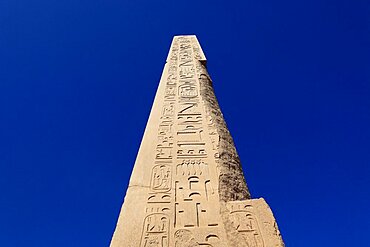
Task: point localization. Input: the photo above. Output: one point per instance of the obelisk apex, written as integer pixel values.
(187, 187)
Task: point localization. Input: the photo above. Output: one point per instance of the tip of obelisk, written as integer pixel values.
(185, 36)
(187, 41)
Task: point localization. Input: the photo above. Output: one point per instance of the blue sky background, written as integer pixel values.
(77, 81)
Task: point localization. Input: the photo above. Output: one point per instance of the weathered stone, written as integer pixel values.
(251, 223)
(187, 187)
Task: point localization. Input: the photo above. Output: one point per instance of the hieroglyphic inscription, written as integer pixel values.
(161, 178)
(155, 230)
(246, 224)
(193, 194)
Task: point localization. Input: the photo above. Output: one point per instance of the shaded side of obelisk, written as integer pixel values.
(187, 187)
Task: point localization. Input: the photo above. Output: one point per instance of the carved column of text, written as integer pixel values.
(193, 223)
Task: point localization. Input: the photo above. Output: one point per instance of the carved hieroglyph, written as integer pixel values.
(187, 187)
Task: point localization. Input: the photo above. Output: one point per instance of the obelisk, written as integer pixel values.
(187, 187)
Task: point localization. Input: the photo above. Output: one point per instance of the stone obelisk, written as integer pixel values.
(187, 187)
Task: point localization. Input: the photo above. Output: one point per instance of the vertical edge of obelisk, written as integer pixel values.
(130, 222)
(171, 48)
(232, 184)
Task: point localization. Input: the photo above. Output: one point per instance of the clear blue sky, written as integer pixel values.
(77, 81)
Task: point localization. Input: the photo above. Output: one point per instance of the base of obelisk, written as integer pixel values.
(247, 223)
